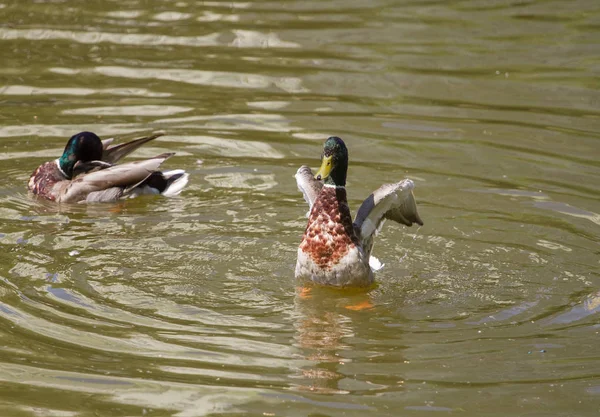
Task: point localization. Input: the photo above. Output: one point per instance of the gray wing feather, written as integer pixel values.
(390, 201)
(105, 196)
(107, 142)
(308, 185)
(125, 176)
(82, 168)
(112, 154)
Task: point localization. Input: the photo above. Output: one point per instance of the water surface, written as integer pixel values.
(188, 307)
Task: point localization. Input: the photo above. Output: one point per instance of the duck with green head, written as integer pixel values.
(87, 172)
(336, 251)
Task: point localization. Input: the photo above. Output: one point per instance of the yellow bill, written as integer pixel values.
(326, 166)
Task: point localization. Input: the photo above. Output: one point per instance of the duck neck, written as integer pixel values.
(337, 176)
(65, 165)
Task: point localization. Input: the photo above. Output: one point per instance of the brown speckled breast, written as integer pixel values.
(329, 233)
(43, 180)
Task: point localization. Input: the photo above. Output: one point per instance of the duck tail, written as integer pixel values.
(168, 183)
(176, 180)
(375, 263)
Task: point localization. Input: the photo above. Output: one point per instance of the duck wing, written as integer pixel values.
(390, 201)
(112, 154)
(308, 185)
(113, 182)
(106, 143)
(85, 167)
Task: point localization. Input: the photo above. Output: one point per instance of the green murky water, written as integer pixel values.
(188, 306)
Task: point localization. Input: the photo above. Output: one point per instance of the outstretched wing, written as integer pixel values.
(307, 183)
(106, 143)
(112, 154)
(390, 201)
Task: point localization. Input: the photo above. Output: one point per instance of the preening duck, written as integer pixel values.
(88, 172)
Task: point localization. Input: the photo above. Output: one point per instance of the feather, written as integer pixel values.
(89, 166)
(375, 264)
(104, 196)
(125, 176)
(308, 185)
(390, 201)
(107, 142)
(112, 154)
(168, 183)
(176, 180)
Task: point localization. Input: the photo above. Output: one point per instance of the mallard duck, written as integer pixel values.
(86, 172)
(335, 251)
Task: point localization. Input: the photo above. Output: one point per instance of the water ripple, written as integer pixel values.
(187, 306)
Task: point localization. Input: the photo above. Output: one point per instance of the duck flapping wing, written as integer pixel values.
(390, 201)
(308, 185)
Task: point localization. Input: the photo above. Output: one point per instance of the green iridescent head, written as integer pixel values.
(84, 146)
(334, 165)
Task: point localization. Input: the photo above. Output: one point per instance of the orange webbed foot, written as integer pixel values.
(363, 305)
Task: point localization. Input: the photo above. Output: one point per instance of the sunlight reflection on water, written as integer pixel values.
(187, 306)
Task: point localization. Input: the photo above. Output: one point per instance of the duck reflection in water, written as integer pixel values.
(326, 320)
